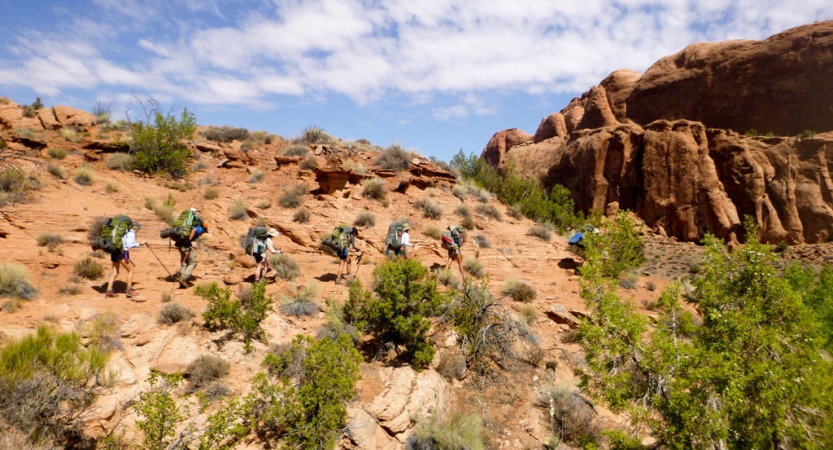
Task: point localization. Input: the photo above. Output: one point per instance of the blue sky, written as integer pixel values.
(434, 76)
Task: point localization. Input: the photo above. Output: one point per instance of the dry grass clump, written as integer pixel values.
(84, 175)
(56, 170)
(50, 240)
(519, 290)
(224, 133)
(96, 226)
(14, 283)
(102, 331)
(256, 176)
(651, 286)
(314, 135)
(173, 313)
(208, 180)
(238, 210)
(365, 219)
(481, 195)
(71, 289)
(541, 232)
(514, 212)
(571, 416)
(374, 188)
(301, 302)
(482, 241)
(301, 215)
(292, 196)
(200, 165)
(629, 281)
(458, 431)
(121, 162)
(468, 223)
(296, 150)
(432, 232)
(286, 268)
(111, 188)
(488, 211)
(394, 158)
(56, 153)
(474, 266)
(447, 277)
(204, 371)
(460, 191)
(69, 134)
(430, 208)
(462, 210)
(210, 193)
(164, 210)
(89, 269)
(308, 164)
(452, 366)
(527, 315)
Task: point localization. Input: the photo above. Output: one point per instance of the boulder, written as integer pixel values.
(550, 127)
(177, 355)
(559, 314)
(68, 117)
(47, 119)
(11, 117)
(501, 142)
(407, 394)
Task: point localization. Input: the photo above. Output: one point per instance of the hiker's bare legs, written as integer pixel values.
(129, 270)
(259, 271)
(114, 274)
(460, 264)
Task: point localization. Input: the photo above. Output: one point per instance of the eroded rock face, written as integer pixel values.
(502, 141)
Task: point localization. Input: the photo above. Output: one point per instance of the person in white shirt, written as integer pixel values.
(122, 259)
(259, 252)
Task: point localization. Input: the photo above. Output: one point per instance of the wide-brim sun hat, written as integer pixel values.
(272, 232)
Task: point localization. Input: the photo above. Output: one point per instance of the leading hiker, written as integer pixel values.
(121, 258)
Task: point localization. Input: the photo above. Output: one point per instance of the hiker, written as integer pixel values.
(187, 252)
(121, 258)
(259, 248)
(577, 239)
(452, 240)
(399, 241)
(348, 240)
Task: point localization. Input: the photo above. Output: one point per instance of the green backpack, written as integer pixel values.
(181, 227)
(112, 232)
(338, 238)
(255, 236)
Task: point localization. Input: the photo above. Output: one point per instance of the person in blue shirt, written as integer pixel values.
(188, 254)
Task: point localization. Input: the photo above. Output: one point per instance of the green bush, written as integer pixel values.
(223, 313)
(616, 250)
(308, 164)
(519, 290)
(172, 313)
(365, 219)
(286, 267)
(50, 383)
(121, 162)
(14, 282)
(394, 158)
(374, 188)
(84, 175)
(88, 268)
(224, 133)
(301, 215)
(56, 153)
(312, 414)
(296, 150)
(238, 210)
(396, 311)
(157, 142)
(292, 196)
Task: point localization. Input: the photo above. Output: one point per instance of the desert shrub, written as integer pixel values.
(307, 164)
(292, 196)
(263, 204)
(488, 211)
(96, 225)
(102, 331)
(57, 171)
(452, 366)
(239, 318)
(50, 383)
(482, 241)
(395, 310)
(179, 186)
(629, 281)
(224, 133)
(571, 416)
(14, 282)
(514, 212)
(12, 180)
(463, 211)
(356, 168)
(447, 277)
(208, 180)
(806, 134)
(157, 140)
(51, 240)
(84, 175)
(481, 195)
(365, 219)
(519, 290)
(468, 223)
(432, 232)
(72, 289)
(287, 268)
(474, 266)
(336, 324)
(301, 215)
(301, 302)
(460, 191)
(165, 210)
(256, 176)
(69, 134)
(120, 161)
(88, 268)
(296, 150)
(458, 431)
(617, 250)
(430, 208)
(323, 374)
(541, 232)
(111, 188)
(394, 158)
(374, 188)
(56, 153)
(172, 313)
(204, 370)
(314, 135)
(210, 193)
(200, 166)
(527, 315)
(238, 210)
(651, 286)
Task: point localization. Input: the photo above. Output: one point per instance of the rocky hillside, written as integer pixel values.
(56, 144)
(704, 137)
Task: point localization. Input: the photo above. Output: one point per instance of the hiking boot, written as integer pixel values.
(130, 292)
(109, 294)
(182, 283)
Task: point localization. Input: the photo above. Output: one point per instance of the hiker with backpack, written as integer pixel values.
(452, 240)
(257, 242)
(340, 241)
(398, 239)
(121, 258)
(186, 229)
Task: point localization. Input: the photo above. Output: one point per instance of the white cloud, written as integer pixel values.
(235, 52)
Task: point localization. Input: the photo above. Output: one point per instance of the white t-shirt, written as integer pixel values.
(128, 241)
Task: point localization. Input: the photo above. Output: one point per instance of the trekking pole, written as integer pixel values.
(160, 261)
(359, 264)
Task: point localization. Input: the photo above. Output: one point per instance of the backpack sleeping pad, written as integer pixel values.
(255, 235)
(338, 238)
(181, 227)
(112, 232)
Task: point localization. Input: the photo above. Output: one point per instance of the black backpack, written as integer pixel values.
(111, 234)
(258, 233)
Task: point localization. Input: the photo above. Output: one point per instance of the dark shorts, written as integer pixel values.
(396, 252)
(342, 254)
(117, 256)
(454, 253)
(258, 257)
